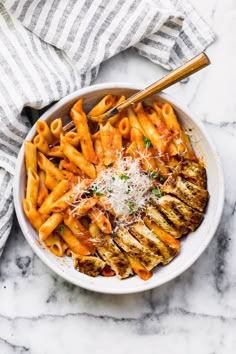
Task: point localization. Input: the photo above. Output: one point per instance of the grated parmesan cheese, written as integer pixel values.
(126, 187)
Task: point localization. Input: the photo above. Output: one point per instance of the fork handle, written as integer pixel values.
(191, 67)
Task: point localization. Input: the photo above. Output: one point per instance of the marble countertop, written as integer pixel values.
(195, 313)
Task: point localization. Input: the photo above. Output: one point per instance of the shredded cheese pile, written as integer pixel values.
(125, 186)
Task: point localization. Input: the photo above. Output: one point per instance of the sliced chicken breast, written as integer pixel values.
(115, 258)
(163, 222)
(191, 194)
(135, 249)
(180, 214)
(195, 172)
(89, 265)
(147, 238)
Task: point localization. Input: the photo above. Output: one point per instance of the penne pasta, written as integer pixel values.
(80, 120)
(162, 167)
(97, 216)
(32, 214)
(105, 205)
(84, 206)
(72, 241)
(138, 107)
(147, 161)
(134, 122)
(124, 127)
(43, 191)
(70, 197)
(56, 245)
(60, 189)
(158, 108)
(80, 232)
(32, 186)
(30, 156)
(41, 144)
(189, 152)
(172, 149)
(139, 269)
(43, 129)
(170, 118)
(132, 150)
(72, 138)
(50, 225)
(78, 159)
(157, 141)
(157, 122)
(50, 169)
(98, 148)
(102, 106)
(56, 128)
(55, 151)
(116, 117)
(111, 140)
(70, 166)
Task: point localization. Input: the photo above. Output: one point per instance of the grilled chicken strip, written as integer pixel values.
(134, 249)
(114, 258)
(188, 192)
(89, 265)
(194, 172)
(147, 238)
(169, 241)
(111, 254)
(163, 222)
(180, 214)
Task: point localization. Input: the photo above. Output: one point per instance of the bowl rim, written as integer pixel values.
(144, 286)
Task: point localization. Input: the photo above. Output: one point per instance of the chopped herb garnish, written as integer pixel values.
(147, 142)
(124, 177)
(109, 190)
(109, 166)
(161, 178)
(153, 174)
(128, 190)
(98, 194)
(95, 190)
(131, 207)
(157, 192)
(61, 228)
(113, 178)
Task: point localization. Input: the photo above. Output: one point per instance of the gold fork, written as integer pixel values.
(192, 66)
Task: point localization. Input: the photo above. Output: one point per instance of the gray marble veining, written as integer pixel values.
(195, 313)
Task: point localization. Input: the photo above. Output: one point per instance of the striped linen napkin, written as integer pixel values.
(49, 48)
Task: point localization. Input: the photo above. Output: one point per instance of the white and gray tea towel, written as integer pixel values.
(50, 48)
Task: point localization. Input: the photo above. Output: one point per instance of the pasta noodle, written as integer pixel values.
(30, 156)
(111, 140)
(43, 129)
(32, 186)
(50, 225)
(43, 191)
(41, 144)
(78, 159)
(80, 120)
(56, 127)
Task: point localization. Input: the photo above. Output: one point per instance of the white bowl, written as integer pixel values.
(191, 247)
